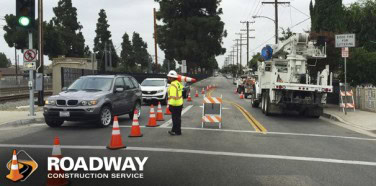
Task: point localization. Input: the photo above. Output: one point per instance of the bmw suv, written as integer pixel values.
(96, 98)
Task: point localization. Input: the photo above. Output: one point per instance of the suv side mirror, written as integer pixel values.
(64, 89)
(119, 89)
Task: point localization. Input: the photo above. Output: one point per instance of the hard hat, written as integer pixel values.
(172, 74)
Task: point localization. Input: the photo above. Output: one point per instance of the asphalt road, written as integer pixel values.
(288, 150)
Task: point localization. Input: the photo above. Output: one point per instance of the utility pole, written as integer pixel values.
(110, 52)
(40, 53)
(248, 30)
(155, 36)
(237, 51)
(105, 56)
(31, 80)
(276, 3)
(15, 61)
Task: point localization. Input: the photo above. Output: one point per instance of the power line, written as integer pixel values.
(300, 11)
(263, 43)
(300, 22)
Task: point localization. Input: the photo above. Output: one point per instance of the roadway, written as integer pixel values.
(250, 149)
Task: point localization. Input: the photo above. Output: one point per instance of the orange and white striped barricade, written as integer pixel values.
(212, 111)
(345, 102)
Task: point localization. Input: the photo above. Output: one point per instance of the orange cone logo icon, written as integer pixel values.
(152, 118)
(159, 113)
(14, 174)
(116, 141)
(56, 152)
(168, 112)
(21, 166)
(135, 130)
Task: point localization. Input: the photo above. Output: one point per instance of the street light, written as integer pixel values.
(254, 17)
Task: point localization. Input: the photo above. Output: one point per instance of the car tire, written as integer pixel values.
(54, 123)
(138, 107)
(106, 117)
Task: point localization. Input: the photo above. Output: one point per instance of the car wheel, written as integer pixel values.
(54, 123)
(105, 117)
(138, 107)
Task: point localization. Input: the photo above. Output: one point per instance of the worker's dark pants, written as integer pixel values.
(176, 118)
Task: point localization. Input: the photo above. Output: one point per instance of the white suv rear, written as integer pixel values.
(154, 89)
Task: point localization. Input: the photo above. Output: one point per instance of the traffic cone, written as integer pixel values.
(203, 91)
(189, 99)
(207, 88)
(152, 118)
(14, 174)
(242, 96)
(116, 142)
(56, 152)
(168, 112)
(186, 79)
(159, 112)
(196, 95)
(135, 130)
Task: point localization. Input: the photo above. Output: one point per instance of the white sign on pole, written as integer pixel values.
(345, 52)
(345, 40)
(30, 55)
(30, 65)
(183, 66)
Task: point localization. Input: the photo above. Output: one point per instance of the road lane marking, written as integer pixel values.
(204, 152)
(167, 123)
(269, 133)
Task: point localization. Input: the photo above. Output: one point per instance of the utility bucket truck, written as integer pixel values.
(283, 81)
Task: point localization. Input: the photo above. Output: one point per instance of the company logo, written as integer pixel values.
(21, 166)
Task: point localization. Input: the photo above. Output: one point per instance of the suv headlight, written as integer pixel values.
(160, 91)
(89, 102)
(49, 102)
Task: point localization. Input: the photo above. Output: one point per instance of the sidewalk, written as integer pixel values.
(14, 118)
(360, 119)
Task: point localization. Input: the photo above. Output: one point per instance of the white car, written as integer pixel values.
(155, 89)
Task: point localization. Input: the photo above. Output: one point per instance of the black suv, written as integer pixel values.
(95, 98)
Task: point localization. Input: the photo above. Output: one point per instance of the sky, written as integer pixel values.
(137, 16)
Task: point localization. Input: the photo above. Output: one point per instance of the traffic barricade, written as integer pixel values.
(212, 110)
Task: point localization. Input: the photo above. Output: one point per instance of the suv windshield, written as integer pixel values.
(91, 83)
(153, 83)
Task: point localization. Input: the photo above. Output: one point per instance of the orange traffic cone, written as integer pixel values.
(135, 130)
(14, 174)
(242, 96)
(203, 91)
(152, 118)
(196, 95)
(186, 79)
(159, 112)
(116, 142)
(189, 99)
(56, 152)
(168, 112)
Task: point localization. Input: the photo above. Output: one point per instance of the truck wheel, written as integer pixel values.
(254, 102)
(267, 105)
(263, 102)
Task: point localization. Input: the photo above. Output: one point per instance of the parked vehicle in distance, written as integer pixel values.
(155, 89)
(96, 98)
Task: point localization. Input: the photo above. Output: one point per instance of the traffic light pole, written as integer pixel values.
(31, 80)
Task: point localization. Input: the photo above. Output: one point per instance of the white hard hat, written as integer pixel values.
(172, 74)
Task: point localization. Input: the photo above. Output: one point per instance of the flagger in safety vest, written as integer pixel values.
(175, 101)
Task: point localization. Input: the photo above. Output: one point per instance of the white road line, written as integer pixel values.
(203, 152)
(182, 113)
(269, 133)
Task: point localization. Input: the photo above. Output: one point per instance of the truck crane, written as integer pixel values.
(283, 81)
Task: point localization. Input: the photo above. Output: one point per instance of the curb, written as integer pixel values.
(332, 117)
(22, 122)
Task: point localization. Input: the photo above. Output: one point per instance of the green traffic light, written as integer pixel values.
(24, 21)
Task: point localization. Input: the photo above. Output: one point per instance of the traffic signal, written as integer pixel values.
(25, 13)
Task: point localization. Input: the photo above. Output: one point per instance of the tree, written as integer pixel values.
(140, 53)
(4, 61)
(68, 30)
(361, 67)
(17, 36)
(102, 38)
(166, 62)
(191, 30)
(255, 58)
(127, 63)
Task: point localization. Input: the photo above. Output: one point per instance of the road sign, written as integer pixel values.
(345, 40)
(30, 65)
(184, 66)
(30, 55)
(345, 52)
